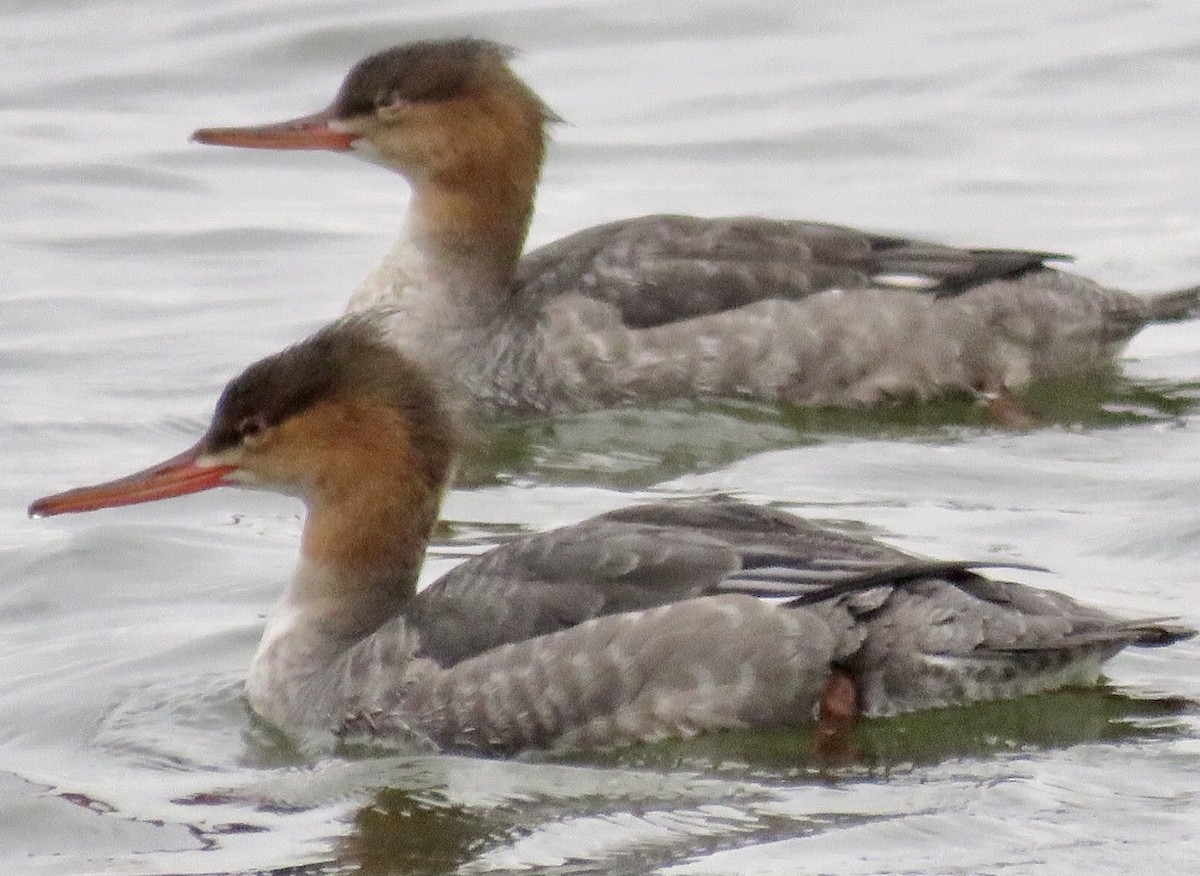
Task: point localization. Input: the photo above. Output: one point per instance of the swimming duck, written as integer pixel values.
(661, 307)
(658, 620)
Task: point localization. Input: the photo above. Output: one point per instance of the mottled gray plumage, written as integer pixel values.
(660, 619)
(636, 625)
(665, 306)
(664, 619)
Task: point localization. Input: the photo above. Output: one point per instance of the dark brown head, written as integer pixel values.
(453, 118)
(418, 107)
(332, 417)
(422, 72)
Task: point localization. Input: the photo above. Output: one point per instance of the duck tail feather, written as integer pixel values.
(1174, 306)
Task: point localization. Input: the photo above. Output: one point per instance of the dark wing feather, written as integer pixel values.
(627, 560)
(882, 601)
(544, 583)
(660, 269)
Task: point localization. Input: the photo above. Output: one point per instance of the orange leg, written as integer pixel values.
(1005, 409)
(837, 714)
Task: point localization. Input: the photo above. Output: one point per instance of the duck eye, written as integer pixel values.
(390, 103)
(251, 428)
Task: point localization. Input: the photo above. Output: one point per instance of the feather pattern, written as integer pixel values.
(661, 619)
(646, 623)
(670, 306)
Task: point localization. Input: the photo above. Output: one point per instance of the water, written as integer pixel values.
(140, 272)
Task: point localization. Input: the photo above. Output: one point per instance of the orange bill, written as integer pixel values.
(177, 476)
(306, 132)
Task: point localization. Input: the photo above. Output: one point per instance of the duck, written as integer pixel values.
(656, 308)
(659, 620)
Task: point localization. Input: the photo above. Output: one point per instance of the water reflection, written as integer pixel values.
(880, 746)
(635, 448)
(423, 833)
(143, 271)
(527, 827)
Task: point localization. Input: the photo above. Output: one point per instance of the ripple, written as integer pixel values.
(141, 271)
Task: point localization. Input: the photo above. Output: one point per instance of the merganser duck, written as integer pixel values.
(639, 624)
(661, 307)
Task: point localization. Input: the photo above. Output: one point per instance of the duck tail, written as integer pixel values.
(1156, 632)
(1174, 306)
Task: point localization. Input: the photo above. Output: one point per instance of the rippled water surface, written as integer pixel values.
(139, 272)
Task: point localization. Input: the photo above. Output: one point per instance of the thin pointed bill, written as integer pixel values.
(177, 476)
(317, 131)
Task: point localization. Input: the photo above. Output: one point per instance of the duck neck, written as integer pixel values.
(361, 554)
(358, 570)
(470, 228)
(464, 235)
(370, 515)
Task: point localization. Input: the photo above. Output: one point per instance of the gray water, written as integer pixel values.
(138, 272)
